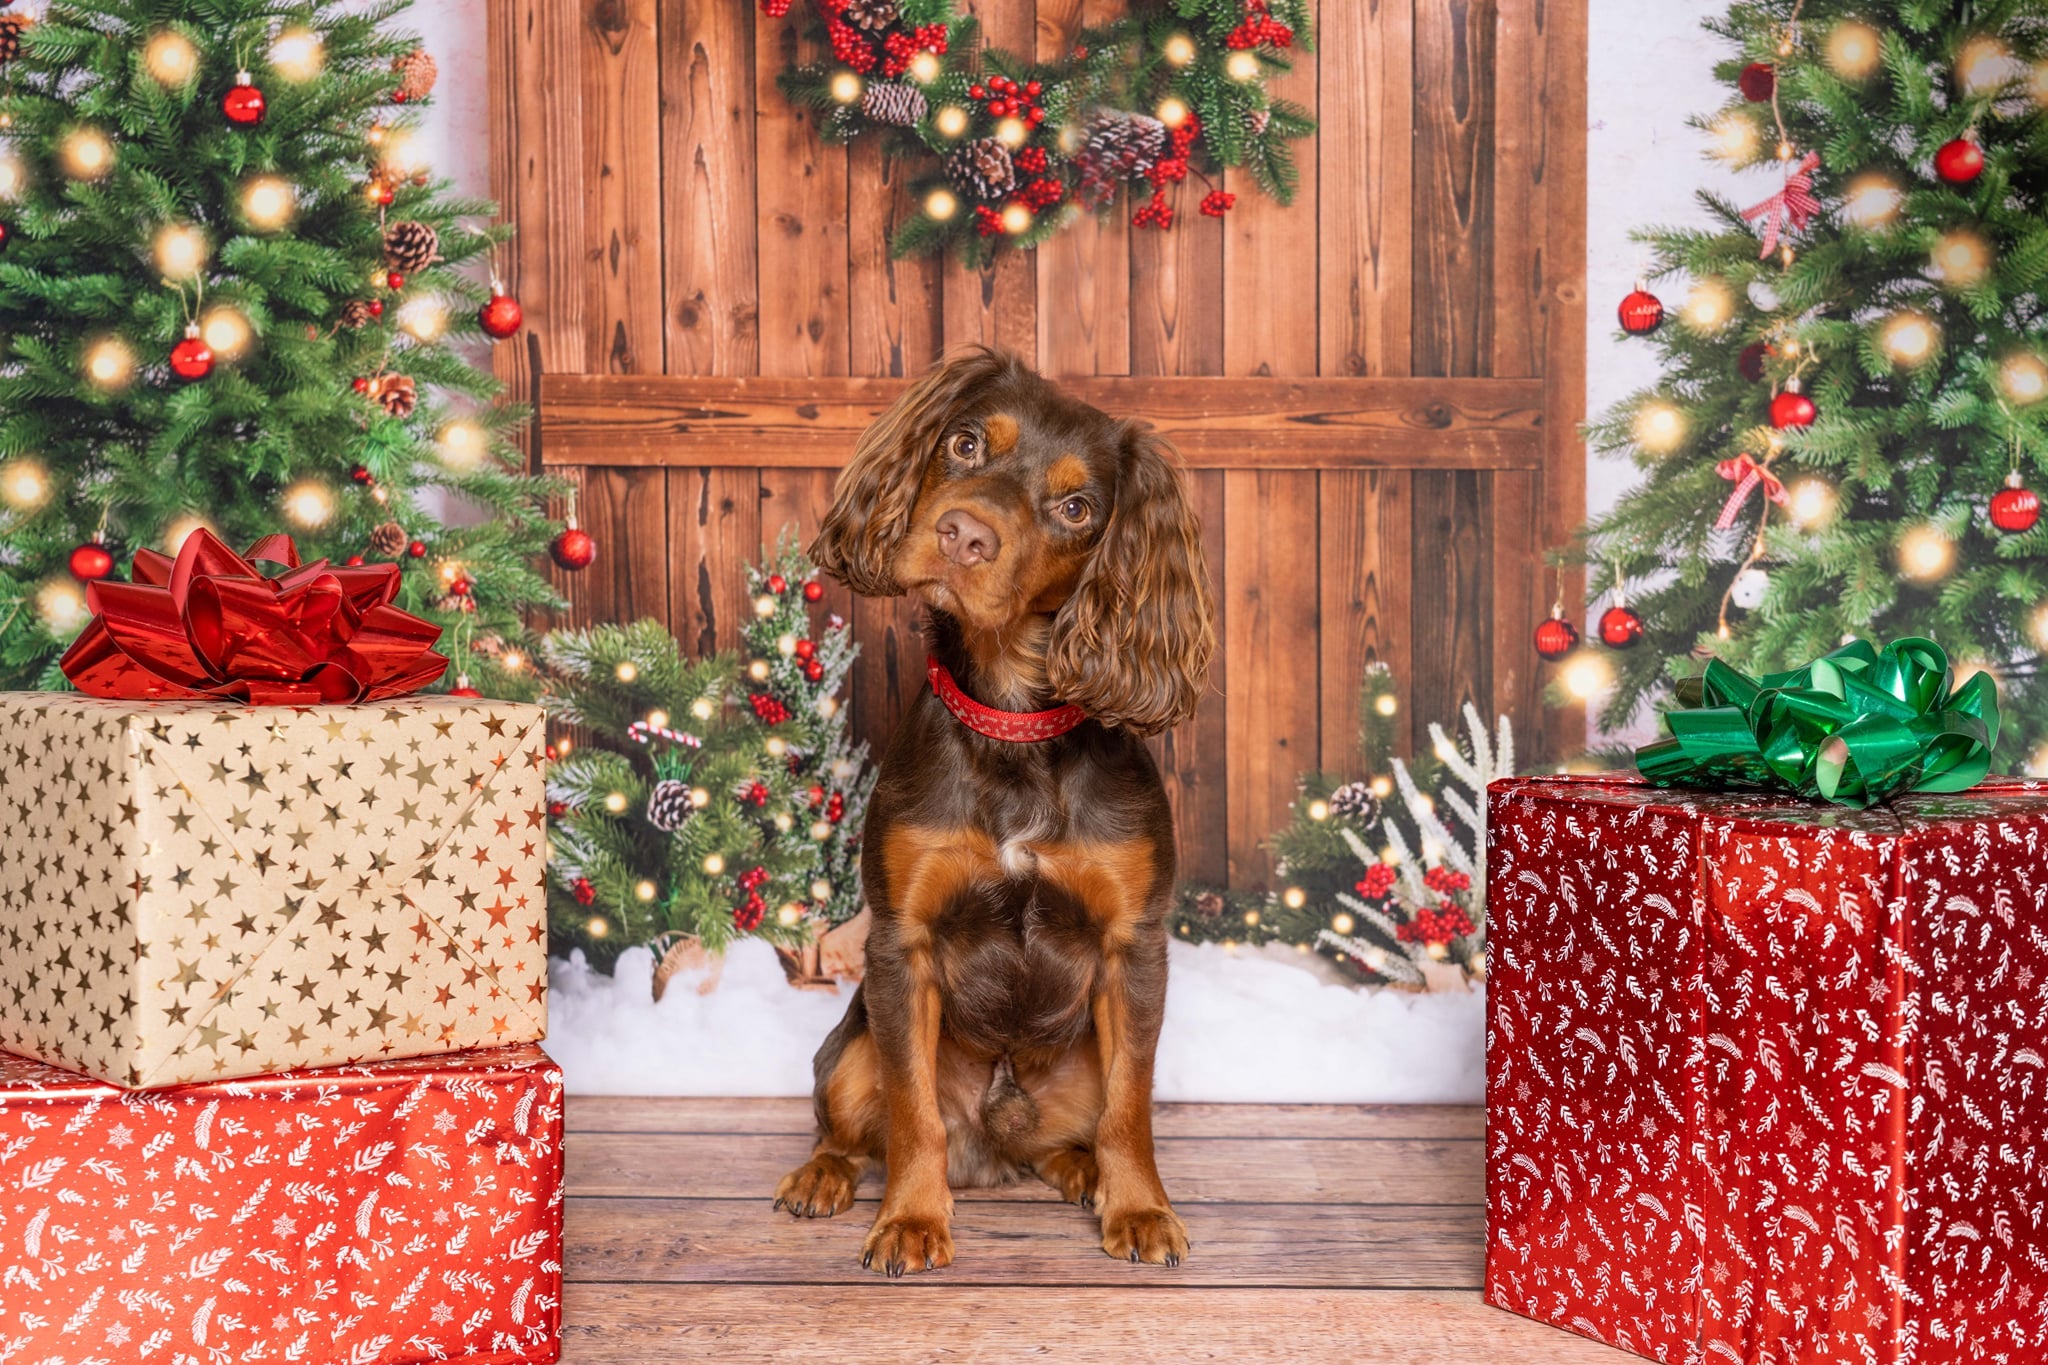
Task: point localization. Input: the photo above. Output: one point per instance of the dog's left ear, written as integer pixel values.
(1132, 646)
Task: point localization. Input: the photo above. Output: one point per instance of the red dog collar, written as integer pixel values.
(1016, 727)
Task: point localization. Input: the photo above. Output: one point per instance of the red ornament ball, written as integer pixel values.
(814, 670)
(813, 590)
(777, 583)
(1792, 409)
(1621, 628)
(376, 308)
(6, 236)
(90, 562)
(395, 281)
(461, 587)
(192, 358)
(1758, 81)
(2014, 508)
(1556, 638)
(359, 473)
(243, 104)
(805, 649)
(1641, 312)
(1959, 162)
(353, 562)
(573, 549)
(1750, 364)
(418, 549)
(463, 689)
(361, 384)
(501, 317)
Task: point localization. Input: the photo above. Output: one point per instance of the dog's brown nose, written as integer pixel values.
(966, 540)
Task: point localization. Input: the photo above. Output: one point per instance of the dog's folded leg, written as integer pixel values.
(1138, 1222)
(914, 1229)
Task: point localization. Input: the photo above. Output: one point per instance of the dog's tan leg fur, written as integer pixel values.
(1138, 1222)
(851, 1139)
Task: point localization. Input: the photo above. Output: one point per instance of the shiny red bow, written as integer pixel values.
(1747, 474)
(210, 624)
(1794, 205)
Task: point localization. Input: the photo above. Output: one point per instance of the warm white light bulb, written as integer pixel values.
(1180, 50)
(1872, 200)
(1734, 137)
(1586, 675)
(308, 504)
(109, 363)
(1386, 705)
(845, 87)
(268, 203)
(951, 121)
(1242, 66)
(714, 864)
(462, 445)
(170, 59)
(1961, 258)
(598, 926)
(225, 332)
(1985, 66)
(615, 802)
(1659, 428)
(2023, 377)
(86, 154)
(1853, 49)
(644, 890)
(657, 719)
(424, 318)
(13, 176)
(60, 604)
(1013, 132)
(1318, 810)
(1909, 338)
(23, 484)
(627, 671)
(1812, 502)
(940, 205)
(1709, 306)
(1172, 112)
(924, 68)
(297, 55)
(1016, 219)
(1925, 554)
(180, 251)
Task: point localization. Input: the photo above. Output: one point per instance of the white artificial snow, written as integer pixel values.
(1273, 1026)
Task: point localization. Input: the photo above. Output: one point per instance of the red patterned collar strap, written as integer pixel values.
(1015, 727)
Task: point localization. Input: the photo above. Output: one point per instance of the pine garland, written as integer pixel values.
(134, 458)
(1201, 66)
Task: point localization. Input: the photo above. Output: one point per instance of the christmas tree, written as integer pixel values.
(1380, 877)
(721, 796)
(1850, 412)
(231, 296)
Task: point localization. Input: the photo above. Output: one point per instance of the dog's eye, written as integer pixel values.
(1075, 510)
(964, 445)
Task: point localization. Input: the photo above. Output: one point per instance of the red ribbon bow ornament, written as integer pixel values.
(1794, 205)
(210, 624)
(1747, 474)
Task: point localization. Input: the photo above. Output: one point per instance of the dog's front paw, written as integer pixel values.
(907, 1243)
(1155, 1236)
(819, 1188)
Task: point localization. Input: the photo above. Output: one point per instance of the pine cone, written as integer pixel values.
(1258, 120)
(892, 103)
(669, 805)
(388, 539)
(411, 247)
(416, 72)
(398, 394)
(11, 28)
(1209, 905)
(982, 168)
(1117, 147)
(872, 15)
(357, 314)
(1355, 802)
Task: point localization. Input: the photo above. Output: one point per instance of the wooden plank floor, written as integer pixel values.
(1321, 1232)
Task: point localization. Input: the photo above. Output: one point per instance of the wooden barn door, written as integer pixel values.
(1377, 390)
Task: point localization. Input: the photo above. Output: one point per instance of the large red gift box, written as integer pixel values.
(394, 1212)
(1767, 1081)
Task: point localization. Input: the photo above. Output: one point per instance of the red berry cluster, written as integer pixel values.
(1044, 192)
(835, 808)
(1033, 161)
(775, 9)
(1259, 29)
(1172, 168)
(769, 710)
(1216, 203)
(583, 891)
(755, 795)
(1377, 881)
(987, 221)
(1439, 925)
(747, 916)
(901, 47)
(1445, 882)
(1155, 213)
(816, 793)
(557, 809)
(1004, 98)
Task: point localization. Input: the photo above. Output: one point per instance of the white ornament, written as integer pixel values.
(1749, 588)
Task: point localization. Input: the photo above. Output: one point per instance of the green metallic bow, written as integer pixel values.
(1856, 727)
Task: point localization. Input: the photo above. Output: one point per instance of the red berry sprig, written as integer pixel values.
(1438, 925)
(1445, 882)
(775, 9)
(1004, 98)
(1216, 203)
(756, 794)
(1157, 213)
(835, 808)
(768, 709)
(583, 891)
(987, 221)
(1377, 882)
(900, 49)
(1259, 29)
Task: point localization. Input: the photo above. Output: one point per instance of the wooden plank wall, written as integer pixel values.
(686, 239)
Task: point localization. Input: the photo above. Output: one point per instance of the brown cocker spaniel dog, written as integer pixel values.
(1018, 850)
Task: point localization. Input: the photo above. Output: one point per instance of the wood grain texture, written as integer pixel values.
(707, 135)
(1084, 273)
(1177, 299)
(1514, 545)
(893, 329)
(1004, 1241)
(714, 532)
(1367, 609)
(622, 196)
(929, 1320)
(1366, 177)
(1453, 591)
(626, 512)
(800, 189)
(996, 305)
(1271, 294)
(1454, 223)
(1300, 423)
(748, 1117)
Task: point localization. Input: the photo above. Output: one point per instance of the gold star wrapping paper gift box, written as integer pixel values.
(195, 890)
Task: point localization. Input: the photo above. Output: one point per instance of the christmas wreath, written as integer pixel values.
(1016, 150)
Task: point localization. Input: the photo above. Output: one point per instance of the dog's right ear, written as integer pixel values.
(877, 491)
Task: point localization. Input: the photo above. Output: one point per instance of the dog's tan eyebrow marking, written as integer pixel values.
(1000, 433)
(1067, 474)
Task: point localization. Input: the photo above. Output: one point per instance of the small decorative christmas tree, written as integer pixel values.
(230, 296)
(721, 796)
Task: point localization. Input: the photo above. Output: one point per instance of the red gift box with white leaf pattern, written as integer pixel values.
(1767, 1080)
(393, 1212)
